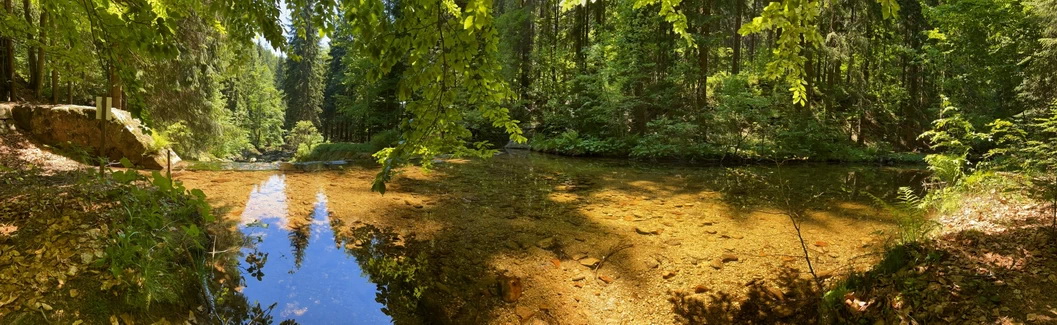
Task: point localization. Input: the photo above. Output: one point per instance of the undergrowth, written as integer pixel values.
(157, 244)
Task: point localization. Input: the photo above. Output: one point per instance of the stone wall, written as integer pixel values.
(74, 128)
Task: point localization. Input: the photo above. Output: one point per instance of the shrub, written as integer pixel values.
(384, 139)
(156, 251)
(302, 139)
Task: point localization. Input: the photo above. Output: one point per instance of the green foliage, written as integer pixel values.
(667, 138)
(911, 213)
(256, 102)
(572, 143)
(303, 138)
(351, 151)
(157, 245)
(302, 79)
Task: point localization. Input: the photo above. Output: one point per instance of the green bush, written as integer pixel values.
(384, 139)
(670, 138)
(302, 139)
(339, 151)
(156, 249)
(571, 143)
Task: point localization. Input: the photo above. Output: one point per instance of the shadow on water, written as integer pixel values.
(532, 218)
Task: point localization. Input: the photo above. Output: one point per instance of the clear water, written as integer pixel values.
(307, 274)
(323, 249)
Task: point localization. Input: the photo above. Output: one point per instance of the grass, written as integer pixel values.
(340, 151)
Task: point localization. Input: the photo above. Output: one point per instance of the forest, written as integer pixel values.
(469, 157)
(711, 80)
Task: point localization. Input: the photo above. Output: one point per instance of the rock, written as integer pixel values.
(711, 232)
(510, 288)
(673, 242)
(579, 278)
(589, 262)
(716, 264)
(512, 245)
(821, 244)
(71, 126)
(775, 292)
(605, 278)
(524, 312)
(647, 231)
(728, 258)
(700, 288)
(652, 263)
(534, 321)
(738, 236)
(547, 243)
(668, 275)
(707, 223)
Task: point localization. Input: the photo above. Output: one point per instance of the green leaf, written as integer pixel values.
(468, 23)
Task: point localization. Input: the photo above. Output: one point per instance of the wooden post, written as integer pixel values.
(168, 163)
(102, 113)
(99, 117)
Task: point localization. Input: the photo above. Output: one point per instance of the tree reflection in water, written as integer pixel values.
(289, 269)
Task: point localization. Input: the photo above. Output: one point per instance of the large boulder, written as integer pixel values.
(74, 128)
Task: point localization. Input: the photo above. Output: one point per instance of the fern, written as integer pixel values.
(910, 212)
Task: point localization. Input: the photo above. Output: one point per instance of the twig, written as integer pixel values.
(612, 251)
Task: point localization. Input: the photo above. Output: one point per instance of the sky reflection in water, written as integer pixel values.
(311, 280)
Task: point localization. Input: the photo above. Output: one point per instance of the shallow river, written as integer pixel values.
(537, 238)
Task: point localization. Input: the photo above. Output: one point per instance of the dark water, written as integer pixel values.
(309, 277)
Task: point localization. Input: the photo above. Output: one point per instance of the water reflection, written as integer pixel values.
(486, 219)
(293, 262)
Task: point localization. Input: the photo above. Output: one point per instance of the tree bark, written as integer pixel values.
(9, 59)
(705, 13)
(31, 51)
(736, 57)
(39, 86)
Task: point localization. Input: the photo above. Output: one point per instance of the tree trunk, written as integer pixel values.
(69, 88)
(31, 52)
(39, 87)
(736, 57)
(9, 60)
(705, 12)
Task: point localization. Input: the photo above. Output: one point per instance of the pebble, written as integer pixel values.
(647, 231)
(589, 262)
(728, 258)
(652, 263)
(668, 275)
(716, 264)
(546, 243)
(700, 288)
(510, 287)
(524, 312)
(605, 278)
(776, 293)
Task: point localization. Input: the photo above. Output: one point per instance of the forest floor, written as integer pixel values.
(993, 261)
(52, 238)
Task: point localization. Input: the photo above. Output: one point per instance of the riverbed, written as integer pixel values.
(533, 238)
